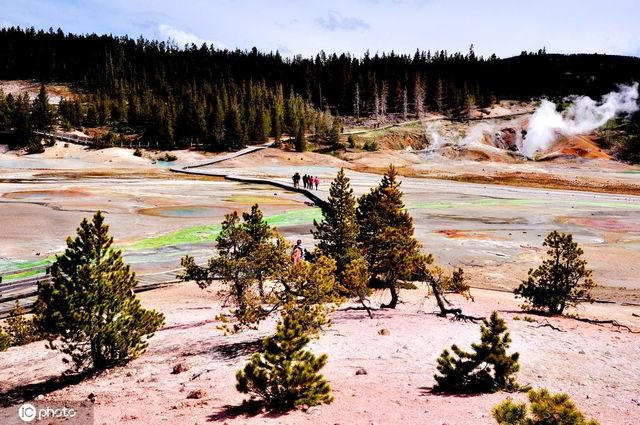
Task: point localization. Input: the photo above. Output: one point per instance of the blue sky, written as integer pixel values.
(305, 27)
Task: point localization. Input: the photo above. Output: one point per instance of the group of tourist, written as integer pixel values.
(307, 180)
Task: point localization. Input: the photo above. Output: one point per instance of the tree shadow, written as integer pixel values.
(425, 391)
(28, 392)
(237, 349)
(247, 408)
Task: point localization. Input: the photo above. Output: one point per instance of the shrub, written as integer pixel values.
(137, 152)
(371, 146)
(283, 374)
(90, 304)
(351, 141)
(34, 147)
(20, 329)
(5, 341)
(488, 369)
(168, 157)
(561, 281)
(546, 409)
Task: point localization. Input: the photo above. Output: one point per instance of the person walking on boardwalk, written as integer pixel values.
(296, 180)
(305, 181)
(316, 181)
(297, 253)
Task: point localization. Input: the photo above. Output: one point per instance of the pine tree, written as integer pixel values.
(235, 131)
(283, 374)
(562, 280)
(91, 119)
(335, 132)
(487, 369)
(90, 304)
(5, 113)
(217, 124)
(42, 113)
(249, 253)
(337, 233)
(310, 289)
(301, 140)
(278, 113)
(21, 121)
(386, 234)
(545, 409)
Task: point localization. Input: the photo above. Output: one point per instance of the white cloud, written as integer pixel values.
(335, 21)
(182, 38)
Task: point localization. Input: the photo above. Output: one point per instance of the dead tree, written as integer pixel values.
(441, 283)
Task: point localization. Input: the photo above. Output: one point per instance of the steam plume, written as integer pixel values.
(583, 116)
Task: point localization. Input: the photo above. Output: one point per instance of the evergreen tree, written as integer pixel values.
(21, 121)
(263, 124)
(300, 140)
(310, 289)
(278, 113)
(337, 233)
(42, 113)
(562, 280)
(283, 374)
(90, 304)
(336, 131)
(545, 409)
(249, 253)
(386, 234)
(217, 124)
(487, 369)
(235, 131)
(5, 113)
(91, 119)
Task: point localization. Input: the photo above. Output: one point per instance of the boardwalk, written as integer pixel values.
(192, 169)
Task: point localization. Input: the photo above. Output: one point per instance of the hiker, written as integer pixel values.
(316, 180)
(297, 253)
(296, 180)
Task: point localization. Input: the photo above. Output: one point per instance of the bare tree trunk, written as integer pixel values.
(394, 297)
(405, 104)
(356, 102)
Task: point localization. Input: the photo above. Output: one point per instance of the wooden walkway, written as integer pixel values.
(191, 169)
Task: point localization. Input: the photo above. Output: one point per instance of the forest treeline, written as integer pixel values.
(224, 98)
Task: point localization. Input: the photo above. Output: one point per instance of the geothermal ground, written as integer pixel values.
(494, 231)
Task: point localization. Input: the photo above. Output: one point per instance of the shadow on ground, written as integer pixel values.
(29, 392)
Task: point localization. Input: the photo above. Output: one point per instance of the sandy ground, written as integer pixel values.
(495, 232)
(590, 362)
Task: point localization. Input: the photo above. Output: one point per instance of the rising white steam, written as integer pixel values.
(582, 117)
(433, 135)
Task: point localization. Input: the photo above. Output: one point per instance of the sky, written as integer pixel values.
(503, 27)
